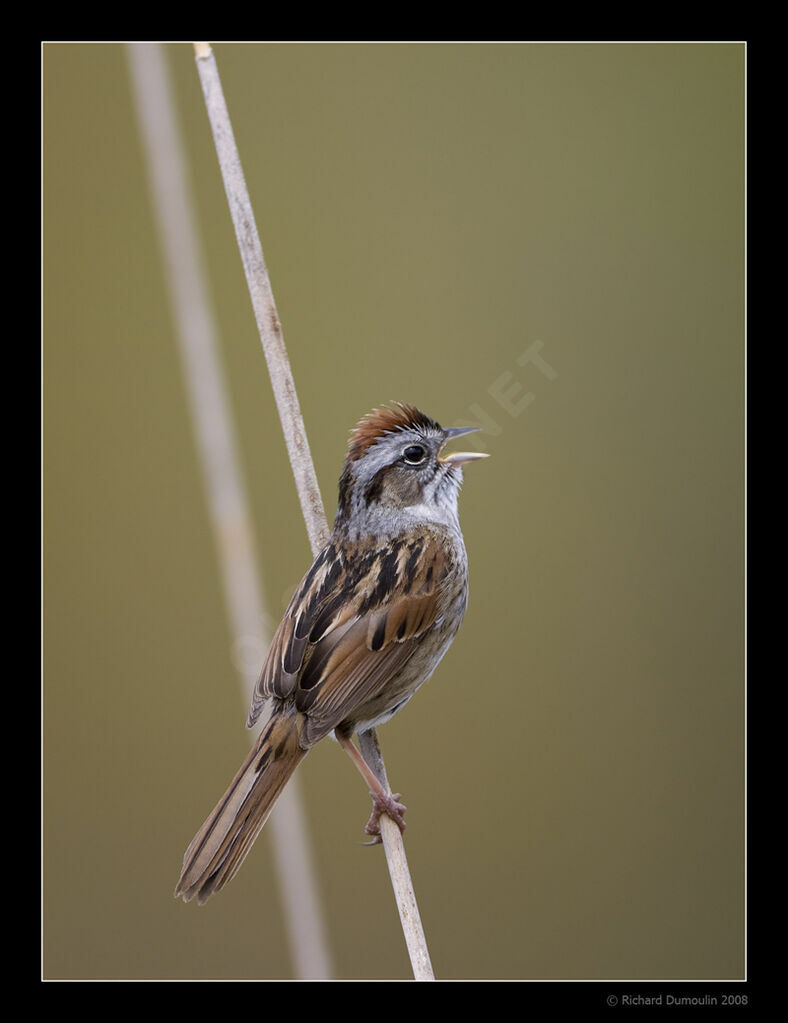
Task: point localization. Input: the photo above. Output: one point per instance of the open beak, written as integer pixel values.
(459, 457)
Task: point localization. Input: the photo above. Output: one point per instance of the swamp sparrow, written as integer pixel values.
(368, 625)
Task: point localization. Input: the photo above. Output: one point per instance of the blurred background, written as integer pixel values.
(545, 239)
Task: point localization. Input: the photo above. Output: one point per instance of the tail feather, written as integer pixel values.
(223, 842)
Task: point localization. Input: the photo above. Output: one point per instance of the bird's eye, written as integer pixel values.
(414, 454)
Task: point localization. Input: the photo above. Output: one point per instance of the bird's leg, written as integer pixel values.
(382, 801)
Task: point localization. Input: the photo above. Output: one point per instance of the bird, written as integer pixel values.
(366, 627)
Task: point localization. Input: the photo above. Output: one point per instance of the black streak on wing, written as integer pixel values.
(379, 634)
(412, 564)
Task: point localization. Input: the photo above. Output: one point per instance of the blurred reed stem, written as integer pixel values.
(298, 449)
(223, 481)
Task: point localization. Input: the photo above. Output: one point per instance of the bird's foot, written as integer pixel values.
(389, 804)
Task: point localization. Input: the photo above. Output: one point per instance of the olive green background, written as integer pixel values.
(429, 214)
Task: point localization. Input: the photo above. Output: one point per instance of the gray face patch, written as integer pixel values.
(391, 481)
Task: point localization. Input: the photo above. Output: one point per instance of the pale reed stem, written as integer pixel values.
(223, 480)
(295, 436)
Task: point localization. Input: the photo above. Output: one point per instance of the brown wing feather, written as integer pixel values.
(290, 645)
(345, 634)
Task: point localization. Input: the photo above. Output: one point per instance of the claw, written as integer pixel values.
(390, 805)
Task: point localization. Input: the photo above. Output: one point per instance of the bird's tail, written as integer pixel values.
(222, 843)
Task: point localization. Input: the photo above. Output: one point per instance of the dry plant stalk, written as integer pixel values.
(223, 480)
(298, 449)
